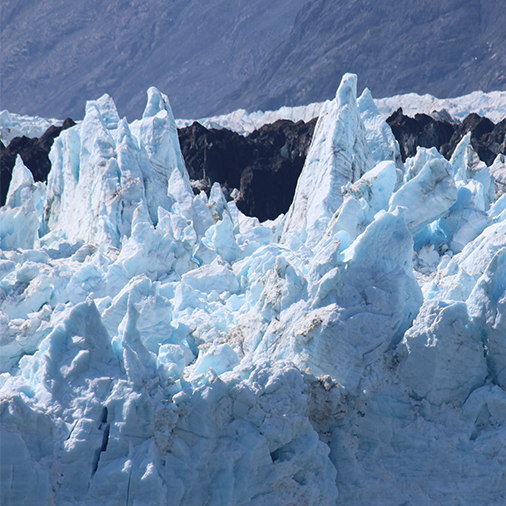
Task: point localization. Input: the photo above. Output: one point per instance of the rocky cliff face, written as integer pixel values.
(422, 130)
(488, 139)
(264, 166)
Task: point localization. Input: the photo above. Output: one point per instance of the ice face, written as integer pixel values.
(428, 196)
(20, 218)
(338, 154)
(159, 347)
(442, 355)
(379, 136)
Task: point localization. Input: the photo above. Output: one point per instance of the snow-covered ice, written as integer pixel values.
(14, 125)
(159, 347)
(492, 105)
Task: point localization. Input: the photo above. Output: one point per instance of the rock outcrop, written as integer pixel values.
(34, 153)
(439, 131)
(487, 138)
(422, 130)
(264, 166)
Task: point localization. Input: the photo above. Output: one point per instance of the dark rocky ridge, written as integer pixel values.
(34, 153)
(488, 139)
(422, 130)
(266, 165)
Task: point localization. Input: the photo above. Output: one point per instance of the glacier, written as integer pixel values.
(492, 105)
(16, 125)
(159, 347)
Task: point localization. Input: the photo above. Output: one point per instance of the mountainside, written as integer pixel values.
(443, 48)
(160, 347)
(214, 57)
(54, 57)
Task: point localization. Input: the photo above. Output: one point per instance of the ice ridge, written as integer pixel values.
(492, 105)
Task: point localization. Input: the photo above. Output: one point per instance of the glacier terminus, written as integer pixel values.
(159, 347)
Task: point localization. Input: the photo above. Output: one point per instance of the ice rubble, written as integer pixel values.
(14, 125)
(159, 347)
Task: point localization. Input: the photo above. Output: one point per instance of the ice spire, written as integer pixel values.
(338, 154)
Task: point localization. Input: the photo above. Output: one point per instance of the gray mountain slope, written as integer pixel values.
(56, 54)
(215, 56)
(445, 48)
